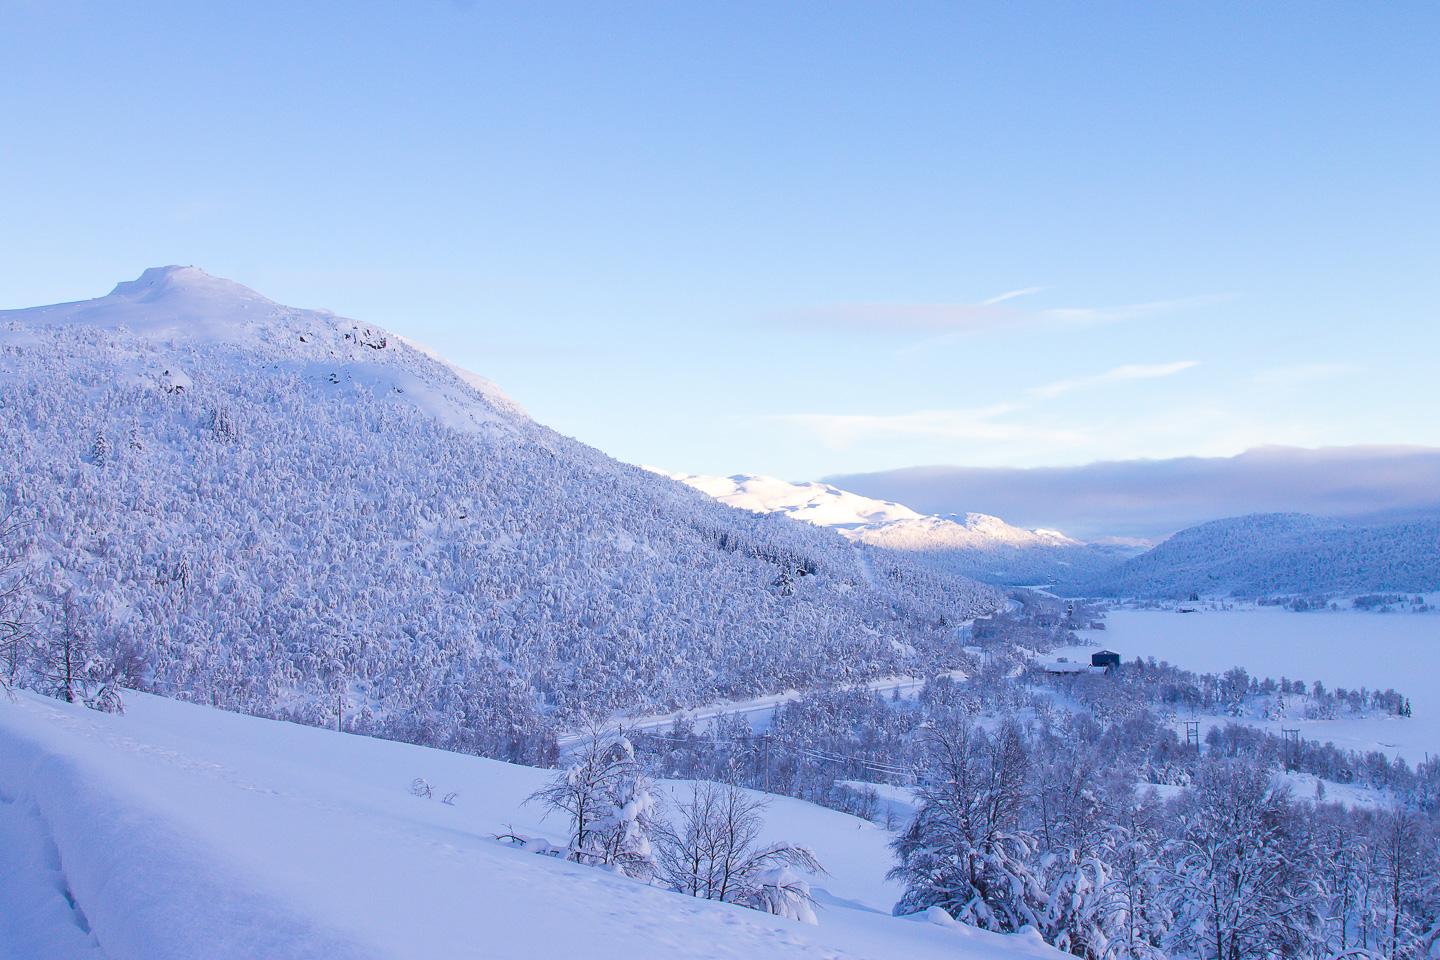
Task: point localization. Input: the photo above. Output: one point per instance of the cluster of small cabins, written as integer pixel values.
(1101, 661)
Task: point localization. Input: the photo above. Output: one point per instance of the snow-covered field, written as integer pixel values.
(179, 831)
(1348, 649)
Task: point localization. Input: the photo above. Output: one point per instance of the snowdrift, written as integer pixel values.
(179, 831)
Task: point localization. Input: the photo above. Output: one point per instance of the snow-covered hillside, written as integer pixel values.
(293, 514)
(177, 831)
(971, 544)
(1279, 553)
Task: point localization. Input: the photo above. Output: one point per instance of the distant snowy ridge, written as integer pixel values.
(1270, 554)
(298, 515)
(972, 544)
(817, 503)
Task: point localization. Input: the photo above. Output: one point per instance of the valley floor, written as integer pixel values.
(1340, 649)
(178, 831)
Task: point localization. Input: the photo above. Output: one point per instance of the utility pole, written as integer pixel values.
(1291, 737)
(1192, 735)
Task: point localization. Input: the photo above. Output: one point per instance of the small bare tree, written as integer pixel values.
(63, 663)
(70, 667)
(606, 796)
(14, 583)
(711, 850)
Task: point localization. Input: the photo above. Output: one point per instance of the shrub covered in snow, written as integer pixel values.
(606, 797)
(710, 848)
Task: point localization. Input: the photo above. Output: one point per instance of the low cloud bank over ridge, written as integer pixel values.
(1155, 498)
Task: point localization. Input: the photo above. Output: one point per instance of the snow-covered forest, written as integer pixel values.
(1268, 554)
(294, 515)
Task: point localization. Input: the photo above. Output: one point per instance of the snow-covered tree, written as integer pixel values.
(1409, 888)
(966, 850)
(711, 849)
(69, 665)
(1241, 887)
(630, 821)
(606, 797)
(1136, 892)
(1073, 831)
(14, 589)
(64, 660)
(783, 892)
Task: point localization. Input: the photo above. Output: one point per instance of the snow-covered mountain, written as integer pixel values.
(293, 514)
(971, 544)
(1280, 553)
(817, 503)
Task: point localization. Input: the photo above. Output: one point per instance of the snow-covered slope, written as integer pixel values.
(817, 503)
(294, 514)
(972, 544)
(177, 831)
(1280, 553)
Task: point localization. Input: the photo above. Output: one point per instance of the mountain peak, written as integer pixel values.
(157, 283)
(172, 302)
(176, 307)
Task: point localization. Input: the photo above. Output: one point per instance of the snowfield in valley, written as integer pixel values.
(1347, 649)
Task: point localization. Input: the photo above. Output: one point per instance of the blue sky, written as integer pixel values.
(798, 239)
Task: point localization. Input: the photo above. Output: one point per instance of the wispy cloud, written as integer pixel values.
(978, 423)
(997, 312)
(1300, 374)
(1129, 371)
(1153, 498)
(1010, 295)
(925, 317)
(1098, 316)
(988, 423)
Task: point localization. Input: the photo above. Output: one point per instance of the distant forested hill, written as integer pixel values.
(1280, 553)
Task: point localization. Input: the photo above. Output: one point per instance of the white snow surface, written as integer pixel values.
(1349, 649)
(175, 303)
(180, 831)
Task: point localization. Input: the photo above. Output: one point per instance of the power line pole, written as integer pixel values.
(1291, 737)
(1192, 735)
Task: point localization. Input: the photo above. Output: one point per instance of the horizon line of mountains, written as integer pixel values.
(1260, 554)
